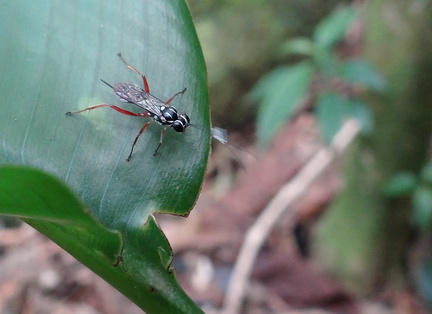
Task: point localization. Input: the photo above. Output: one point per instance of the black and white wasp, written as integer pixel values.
(160, 111)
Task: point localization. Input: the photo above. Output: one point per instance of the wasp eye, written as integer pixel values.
(185, 119)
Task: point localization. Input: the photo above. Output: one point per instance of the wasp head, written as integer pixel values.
(181, 123)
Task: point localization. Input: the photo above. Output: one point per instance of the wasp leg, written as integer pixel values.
(126, 112)
(160, 140)
(136, 138)
(146, 85)
(175, 95)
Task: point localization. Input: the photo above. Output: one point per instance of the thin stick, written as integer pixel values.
(286, 196)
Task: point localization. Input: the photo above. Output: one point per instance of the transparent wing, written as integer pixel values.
(220, 134)
(128, 92)
(153, 105)
(132, 93)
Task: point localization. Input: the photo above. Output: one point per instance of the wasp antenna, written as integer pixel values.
(107, 83)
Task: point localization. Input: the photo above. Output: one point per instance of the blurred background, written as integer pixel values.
(284, 77)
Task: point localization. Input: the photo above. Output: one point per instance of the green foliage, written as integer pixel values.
(426, 173)
(377, 235)
(361, 73)
(422, 199)
(281, 93)
(422, 207)
(331, 110)
(332, 29)
(402, 184)
(56, 53)
(301, 46)
(419, 188)
(24, 195)
(240, 39)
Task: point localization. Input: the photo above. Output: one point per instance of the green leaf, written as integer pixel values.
(325, 60)
(360, 72)
(46, 203)
(23, 193)
(333, 109)
(426, 173)
(55, 56)
(299, 45)
(331, 112)
(280, 93)
(360, 111)
(422, 207)
(401, 184)
(333, 28)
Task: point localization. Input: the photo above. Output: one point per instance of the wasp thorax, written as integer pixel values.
(169, 113)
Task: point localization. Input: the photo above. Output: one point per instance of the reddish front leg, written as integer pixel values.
(121, 110)
(174, 96)
(145, 83)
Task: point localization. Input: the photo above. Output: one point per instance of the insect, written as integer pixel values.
(160, 111)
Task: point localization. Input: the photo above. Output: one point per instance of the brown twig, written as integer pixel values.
(286, 196)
